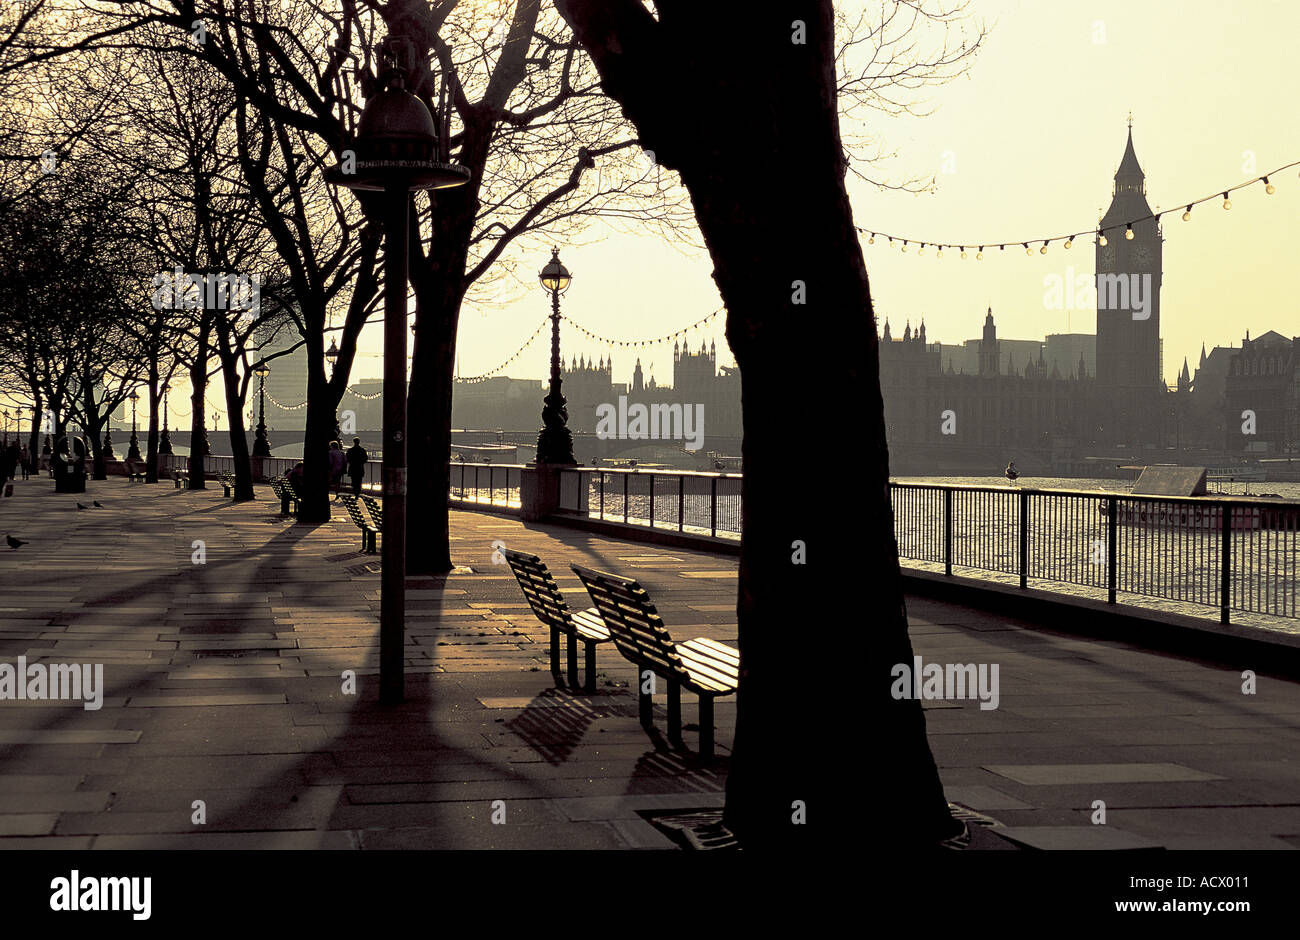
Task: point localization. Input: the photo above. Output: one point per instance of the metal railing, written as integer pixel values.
(699, 503)
(487, 484)
(1235, 553)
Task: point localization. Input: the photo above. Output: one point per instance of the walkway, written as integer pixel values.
(224, 685)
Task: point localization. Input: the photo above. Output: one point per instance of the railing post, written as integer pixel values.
(947, 531)
(1024, 539)
(652, 500)
(1225, 570)
(625, 478)
(713, 507)
(681, 502)
(602, 494)
(492, 486)
(1112, 551)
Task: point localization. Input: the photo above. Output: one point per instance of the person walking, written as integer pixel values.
(25, 461)
(337, 463)
(357, 458)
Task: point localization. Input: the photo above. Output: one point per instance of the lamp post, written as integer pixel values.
(133, 450)
(332, 357)
(165, 443)
(6, 423)
(261, 446)
(555, 440)
(398, 150)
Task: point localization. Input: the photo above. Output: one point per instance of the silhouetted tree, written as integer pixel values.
(741, 100)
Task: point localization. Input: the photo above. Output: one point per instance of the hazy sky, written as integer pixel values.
(1035, 134)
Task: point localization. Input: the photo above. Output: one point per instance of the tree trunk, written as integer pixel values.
(727, 95)
(151, 448)
(322, 405)
(235, 414)
(198, 416)
(99, 466)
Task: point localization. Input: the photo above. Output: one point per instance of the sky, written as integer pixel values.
(1033, 137)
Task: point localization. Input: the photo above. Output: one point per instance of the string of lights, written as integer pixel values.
(604, 340)
(474, 380)
(1100, 232)
(282, 407)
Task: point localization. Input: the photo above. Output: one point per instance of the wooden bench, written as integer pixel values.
(369, 532)
(181, 478)
(227, 483)
(376, 511)
(135, 472)
(700, 665)
(544, 597)
(280, 486)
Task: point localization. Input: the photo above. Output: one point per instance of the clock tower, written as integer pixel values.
(1128, 306)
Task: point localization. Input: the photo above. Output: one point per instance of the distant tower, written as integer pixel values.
(989, 346)
(1184, 378)
(637, 383)
(1128, 349)
(887, 337)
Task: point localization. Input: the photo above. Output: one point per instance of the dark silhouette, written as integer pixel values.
(724, 96)
(13, 542)
(1011, 472)
(357, 458)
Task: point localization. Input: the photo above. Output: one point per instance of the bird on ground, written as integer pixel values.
(1011, 472)
(13, 542)
(98, 504)
(80, 506)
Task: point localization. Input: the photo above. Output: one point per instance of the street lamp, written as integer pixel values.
(555, 441)
(6, 417)
(261, 446)
(398, 150)
(165, 444)
(133, 451)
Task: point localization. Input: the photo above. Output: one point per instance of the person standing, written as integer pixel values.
(357, 458)
(25, 461)
(337, 463)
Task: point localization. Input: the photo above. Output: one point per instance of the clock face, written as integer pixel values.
(1142, 256)
(1106, 256)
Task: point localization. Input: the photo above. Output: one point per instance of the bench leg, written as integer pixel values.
(645, 705)
(373, 539)
(573, 661)
(555, 654)
(674, 712)
(589, 655)
(284, 505)
(706, 726)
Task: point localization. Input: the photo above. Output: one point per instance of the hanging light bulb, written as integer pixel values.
(1128, 232)
(1227, 203)
(1043, 250)
(963, 252)
(1028, 250)
(979, 255)
(905, 246)
(921, 250)
(1068, 242)
(1269, 187)
(1187, 216)
(872, 239)
(1101, 238)
(939, 253)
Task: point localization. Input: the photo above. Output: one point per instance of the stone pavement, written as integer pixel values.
(223, 685)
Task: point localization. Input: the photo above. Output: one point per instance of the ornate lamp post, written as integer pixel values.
(332, 357)
(133, 451)
(261, 446)
(6, 426)
(555, 441)
(398, 150)
(108, 438)
(165, 443)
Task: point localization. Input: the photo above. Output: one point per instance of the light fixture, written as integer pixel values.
(1227, 203)
(1101, 238)
(1187, 216)
(1128, 232)
(1269, 187)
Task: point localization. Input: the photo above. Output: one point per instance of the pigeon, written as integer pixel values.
(13, 542)
(1011, 472)
(79, 506)
(98, 504)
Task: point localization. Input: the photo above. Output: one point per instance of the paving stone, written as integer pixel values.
(1041, 774)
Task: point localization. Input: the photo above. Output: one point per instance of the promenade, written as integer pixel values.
(224, 686)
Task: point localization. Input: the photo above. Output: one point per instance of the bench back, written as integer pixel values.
(634, 624)
(376, 511)
(539, 588)
(354, 511)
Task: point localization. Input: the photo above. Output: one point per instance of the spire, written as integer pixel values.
(1130, 171)
(921, 333)
(1083, 367)
(1184, 378)
(887, 337)
(1202, 363)
(988, 317)
(907, 331)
